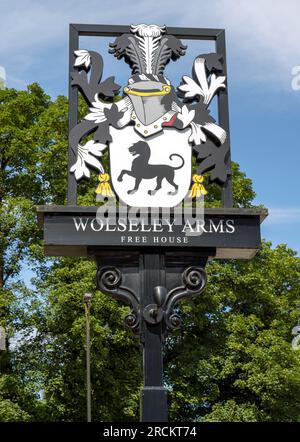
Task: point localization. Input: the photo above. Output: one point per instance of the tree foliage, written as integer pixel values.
(231, 361)
(21, 186)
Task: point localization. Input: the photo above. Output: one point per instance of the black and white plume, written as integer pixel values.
(147, 49)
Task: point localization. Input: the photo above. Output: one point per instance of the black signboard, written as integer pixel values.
(75, 231)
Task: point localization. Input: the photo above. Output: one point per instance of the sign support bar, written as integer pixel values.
(153, 396)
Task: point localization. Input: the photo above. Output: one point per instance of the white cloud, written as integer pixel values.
(262, 36)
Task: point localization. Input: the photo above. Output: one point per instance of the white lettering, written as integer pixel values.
(187, 225)
(99, 222)
(200, 226)
(157, 227)
(230, 228)
(169, 224)
(122, 225)
(213, 227)
(133, 225)
(109, 228)
(80, 224)
(143, 228)
(120, 432)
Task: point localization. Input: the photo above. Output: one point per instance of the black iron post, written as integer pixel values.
(2, 339)
(73, 115)
(153, 283)
(154, 406)
(88, 302)
(223, 111)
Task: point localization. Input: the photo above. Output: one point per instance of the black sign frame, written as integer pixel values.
(90, 30)
(150, 278)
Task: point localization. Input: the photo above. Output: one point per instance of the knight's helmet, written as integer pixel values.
(147, 50)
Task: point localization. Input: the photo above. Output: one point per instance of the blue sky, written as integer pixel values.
(263, 46)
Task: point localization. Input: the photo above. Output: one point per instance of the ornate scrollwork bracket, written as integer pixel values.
(109, 280)
(194, 280)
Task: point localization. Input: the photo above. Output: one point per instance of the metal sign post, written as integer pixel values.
(2, 339)
(149, 231)
(87, 298)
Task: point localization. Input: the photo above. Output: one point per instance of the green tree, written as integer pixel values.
(58, 351)
(233, 359)
(20, 188)
(33, 166)
(42, 378)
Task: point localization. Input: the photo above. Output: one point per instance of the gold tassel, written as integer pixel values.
(104, 187)
(198, 189)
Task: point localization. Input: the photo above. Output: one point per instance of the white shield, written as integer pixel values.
(155, 173)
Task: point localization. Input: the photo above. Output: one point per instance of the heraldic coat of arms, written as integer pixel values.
(152, 130)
